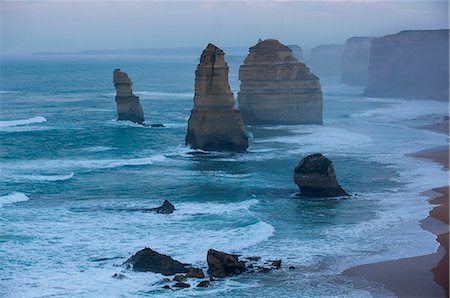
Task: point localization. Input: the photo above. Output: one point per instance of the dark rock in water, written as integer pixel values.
(215, 124)
(291, 267)
(166, 208)
(182, 285)
(254, 258)
(119, 276)
(198, 153)
(264, 269)
(315, 177)
(195, 273)
(278, 89)
(166, 287)
(180, 278)
(128, 105)
(355, 61)
(157, 125)
(203, 284)
(276, 264)
(410, 64)
(149, 260)
(221, 264)
(165, 280)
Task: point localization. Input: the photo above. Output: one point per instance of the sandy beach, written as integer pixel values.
(423, 276)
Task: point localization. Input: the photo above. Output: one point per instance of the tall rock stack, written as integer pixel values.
(410, 64)
(355, 61)
(214, 124)
(128, 105)
(278, 89)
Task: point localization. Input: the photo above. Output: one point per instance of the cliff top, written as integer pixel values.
(269, 45)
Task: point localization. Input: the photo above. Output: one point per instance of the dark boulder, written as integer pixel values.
(182, 285)
(166, 208)
(195, 273)
(203, 284)
(149, 260)
(221, 264)
(180, 278)
(315, 177)
(119, 276)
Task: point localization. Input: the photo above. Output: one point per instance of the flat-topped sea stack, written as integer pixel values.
(315, 177)
(214, 124)
(355, 61)
(128, 105)
(326, 59)
(278, 89)
(410, 64)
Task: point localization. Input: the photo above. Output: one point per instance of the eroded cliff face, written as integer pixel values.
(326, 59)
(214, 124)
(355, 61)
(297, 51)
(128, 105)
(410, 64)
(278, 89)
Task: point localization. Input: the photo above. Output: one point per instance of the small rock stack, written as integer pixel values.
(128, 105)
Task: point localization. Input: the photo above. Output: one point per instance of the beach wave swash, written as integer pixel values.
(20, 122)
(13, 198)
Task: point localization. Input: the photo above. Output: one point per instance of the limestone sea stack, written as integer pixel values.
(326, 59)
(315, 177)
(410, 64)
(128, 105)
(297, 51)
(278, 89)
(355, 61)
(214, 124)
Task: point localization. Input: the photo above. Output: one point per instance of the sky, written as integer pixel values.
(65, 26)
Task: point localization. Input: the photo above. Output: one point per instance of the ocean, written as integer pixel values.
(71, 177)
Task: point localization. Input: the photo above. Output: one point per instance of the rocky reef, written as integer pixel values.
(355, 61)
(278, 89)
(149, 260)
(410, 64)
(215, 124)
(128, 105)
(315, 177)
(221, 264)
(326, 59)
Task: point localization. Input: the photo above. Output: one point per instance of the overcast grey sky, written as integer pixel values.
(33, 26)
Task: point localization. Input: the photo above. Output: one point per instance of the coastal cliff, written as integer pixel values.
(214, 124)
(297, 51)
(355, 61)
(128, 105)
(326, 59)
(410, 64)
(278, 89)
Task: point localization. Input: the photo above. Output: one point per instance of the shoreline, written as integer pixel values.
(421, 276)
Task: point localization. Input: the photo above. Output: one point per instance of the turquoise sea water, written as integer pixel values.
(69, 172)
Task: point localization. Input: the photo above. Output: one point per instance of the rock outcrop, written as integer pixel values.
(278, 89)
(410, 64)
(214, 124)
(149, 260)
(355, 61)
(315, 177)
(326, 59)
(297, 51)
(128, 105)
(166, 208)
(221, 264)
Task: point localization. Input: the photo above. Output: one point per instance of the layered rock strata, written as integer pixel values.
(410, 64)
(326, 59)
(315, 177)
(214, 124)
(355, 61)
(128, 105)
(278, 89)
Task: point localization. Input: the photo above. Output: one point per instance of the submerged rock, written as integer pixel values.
(182, 285)
(128, 105)
(278, 89)
(180, 278)
(315, 177)
(410, 64)
(214, 124)
(203, 284)
(149, 260)
(166, 208)
(355, 61)
(221, 264)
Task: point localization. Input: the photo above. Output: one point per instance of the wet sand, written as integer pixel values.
(423, 276)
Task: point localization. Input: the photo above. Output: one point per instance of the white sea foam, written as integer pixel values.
(213, 208)
(40, 177)
(20, 122)
(98, 149)
(13, 198)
